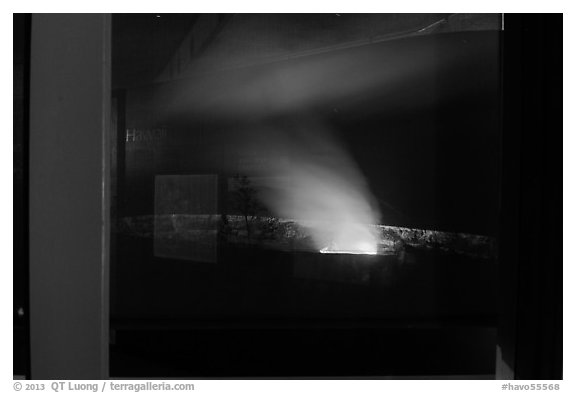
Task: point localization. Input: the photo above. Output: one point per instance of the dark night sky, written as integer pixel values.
(435, 158)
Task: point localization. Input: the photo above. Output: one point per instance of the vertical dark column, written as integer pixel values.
(530, 330)
(120, 150)
(69, 196)
(539, 312)
(118, 165)
(508, 236)
(21, 344)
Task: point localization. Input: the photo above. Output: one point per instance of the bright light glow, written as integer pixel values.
(360, 250)
(353, 239)
(324, 191)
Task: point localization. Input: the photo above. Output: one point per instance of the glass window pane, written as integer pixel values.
(315, 185)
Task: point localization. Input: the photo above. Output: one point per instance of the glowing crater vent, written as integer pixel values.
(361, 249)
(357, 239)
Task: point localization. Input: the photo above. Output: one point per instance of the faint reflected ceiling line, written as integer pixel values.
(167, 76)
(436, 24)
(330, 48)
(223, 20)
